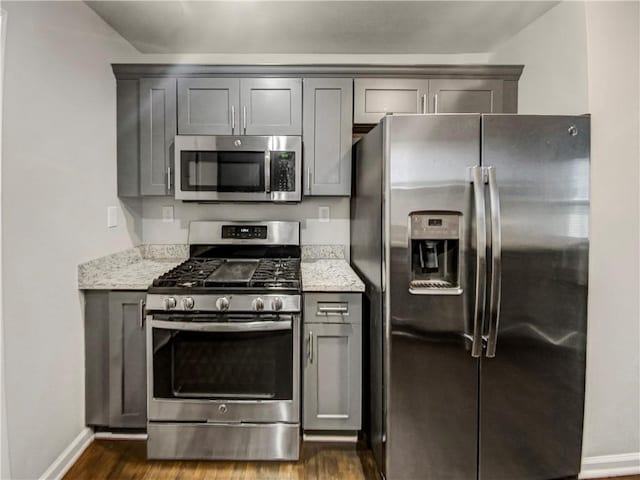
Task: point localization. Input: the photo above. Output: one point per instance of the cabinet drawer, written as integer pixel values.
(333, 308)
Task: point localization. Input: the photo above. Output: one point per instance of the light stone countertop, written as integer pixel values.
(323, 269)
(133, 269)
(329, 275)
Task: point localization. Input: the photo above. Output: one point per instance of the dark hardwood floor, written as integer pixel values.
(126, 459)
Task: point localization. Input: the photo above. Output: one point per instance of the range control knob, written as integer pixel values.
(258, 304)
(276, 304)
(188, 303)
(169, 303)
(222, 304)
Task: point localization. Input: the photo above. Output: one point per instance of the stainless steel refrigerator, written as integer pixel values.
(472, 235)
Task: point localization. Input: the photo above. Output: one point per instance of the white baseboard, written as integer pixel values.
(610, 465)
(119, 436)
(318, 437)
(68, 457)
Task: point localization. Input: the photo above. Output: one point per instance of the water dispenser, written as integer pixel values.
(435, 252)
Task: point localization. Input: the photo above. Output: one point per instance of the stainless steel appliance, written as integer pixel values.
(471, 232)
(238, 168)
(223, 346)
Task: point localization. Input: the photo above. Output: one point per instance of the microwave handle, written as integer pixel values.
(267, 171)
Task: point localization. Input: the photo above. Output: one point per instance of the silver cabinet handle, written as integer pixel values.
(310, 354)
(424, 103)
(141, 319)
(496, 263)
(333, 309)
(435, 103)
(233, 119)
(169, 179)
(244, 118)
(309, 181)
(481, 260)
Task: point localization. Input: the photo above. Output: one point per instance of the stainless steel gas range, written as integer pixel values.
(223, 346)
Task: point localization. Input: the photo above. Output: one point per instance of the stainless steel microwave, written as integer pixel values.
(238, 168)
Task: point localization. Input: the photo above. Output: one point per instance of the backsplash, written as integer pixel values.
(313, 230)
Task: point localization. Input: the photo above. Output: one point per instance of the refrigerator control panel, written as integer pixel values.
(434, 226)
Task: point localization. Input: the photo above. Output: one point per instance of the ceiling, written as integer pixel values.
(337, 27)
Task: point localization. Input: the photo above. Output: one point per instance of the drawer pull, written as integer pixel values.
(333, 309)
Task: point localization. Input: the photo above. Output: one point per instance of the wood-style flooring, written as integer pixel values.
(126, 459)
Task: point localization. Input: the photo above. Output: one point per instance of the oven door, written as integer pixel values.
(242, 369)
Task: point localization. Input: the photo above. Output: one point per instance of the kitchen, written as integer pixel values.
(62, 105)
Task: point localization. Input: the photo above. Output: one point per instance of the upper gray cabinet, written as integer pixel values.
(271, 106)
(157, 135)
(375, 97)
(245, 106)
(208, 106)
(327, 122)
(465, 96)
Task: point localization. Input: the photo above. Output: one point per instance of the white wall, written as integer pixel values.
(59, 176)
(583, 57)
(612, 418)
(553, 51)
(313, 231)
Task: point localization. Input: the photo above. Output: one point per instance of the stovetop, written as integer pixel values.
(203, 274)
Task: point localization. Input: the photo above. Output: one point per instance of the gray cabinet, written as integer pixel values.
(157, 135)
(240, 106)
(465, 96)
(332, 378)
(271, 106)
(208, 106)
(327, 126)
(115, 359)
(375, 97)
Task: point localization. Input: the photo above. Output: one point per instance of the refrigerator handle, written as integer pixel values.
(481, 259)
(496, 263)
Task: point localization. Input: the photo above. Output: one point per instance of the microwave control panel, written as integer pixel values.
(283, 169)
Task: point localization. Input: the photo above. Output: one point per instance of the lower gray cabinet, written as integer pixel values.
(115, 359)
(332, 381)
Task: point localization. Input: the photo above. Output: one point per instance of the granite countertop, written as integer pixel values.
(323, 269)
(133, 269)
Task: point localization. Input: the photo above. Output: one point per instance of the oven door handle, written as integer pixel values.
(266, 326)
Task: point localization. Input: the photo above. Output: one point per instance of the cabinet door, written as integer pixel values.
(271, 106)
(157, 135)
(327, 127)
(208, 106)
(127, 360)
(375, 97)
(332, 377)
(465, 96)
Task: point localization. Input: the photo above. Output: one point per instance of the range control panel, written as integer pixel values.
(283, 169)
(244, 231)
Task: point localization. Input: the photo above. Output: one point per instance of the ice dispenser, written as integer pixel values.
(435, 251)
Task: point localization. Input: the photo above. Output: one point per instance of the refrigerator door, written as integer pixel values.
(532, 391)
(431, 377)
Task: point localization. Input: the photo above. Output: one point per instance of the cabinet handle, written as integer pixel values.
(309, 181)
(233, 118)
(244, 118)
(310, 349)
(424, 104)
(435, 103)
(141, 320)
(169, 180)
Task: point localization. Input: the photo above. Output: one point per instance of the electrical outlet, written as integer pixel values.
(324, 214)
(167, 214)
(112, 217)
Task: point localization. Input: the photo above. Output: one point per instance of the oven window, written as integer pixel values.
(238, 365)
(222, 171)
